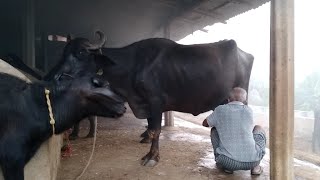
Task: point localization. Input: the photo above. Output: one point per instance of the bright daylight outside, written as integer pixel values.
(251, 31)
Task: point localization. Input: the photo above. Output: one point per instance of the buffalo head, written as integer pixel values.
(77, 58)
(92, 94)
(81, 57)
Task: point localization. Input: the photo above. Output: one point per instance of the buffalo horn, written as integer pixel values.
(100, 42)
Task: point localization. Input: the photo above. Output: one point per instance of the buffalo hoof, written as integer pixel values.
(150, 163)
(150, 160)
(145, 134)
(73, 137)
(146, 140)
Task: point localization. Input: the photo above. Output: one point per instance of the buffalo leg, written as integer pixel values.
(154, 130)
(145, 134)
(12, 170)
(75, 132)
(92, 125)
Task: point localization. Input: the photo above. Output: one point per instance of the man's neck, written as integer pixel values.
(236, 102)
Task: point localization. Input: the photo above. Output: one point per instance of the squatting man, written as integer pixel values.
(237, 143)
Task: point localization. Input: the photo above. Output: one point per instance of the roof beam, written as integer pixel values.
(214, 16)
(223, 4)
(181, 11)
(193, 9)
(174, 5)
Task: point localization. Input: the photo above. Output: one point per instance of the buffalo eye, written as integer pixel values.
(83, 53)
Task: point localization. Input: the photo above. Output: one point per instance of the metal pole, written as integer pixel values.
(281, 89)
(168, 116)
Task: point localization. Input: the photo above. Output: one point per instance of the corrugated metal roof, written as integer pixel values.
(209, 12)
(126, 21)
(123, 21)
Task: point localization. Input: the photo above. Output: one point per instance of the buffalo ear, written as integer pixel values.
(69, 37)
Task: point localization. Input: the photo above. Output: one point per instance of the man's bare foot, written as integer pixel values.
(257, 170)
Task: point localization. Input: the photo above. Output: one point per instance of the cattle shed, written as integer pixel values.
(26, 25)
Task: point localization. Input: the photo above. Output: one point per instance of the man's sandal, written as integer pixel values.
(228, 171)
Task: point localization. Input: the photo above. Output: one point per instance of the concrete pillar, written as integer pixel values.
(168, 116)
(281, 90)
(28, 33)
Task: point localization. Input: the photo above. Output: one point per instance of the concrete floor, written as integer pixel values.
(185, 152)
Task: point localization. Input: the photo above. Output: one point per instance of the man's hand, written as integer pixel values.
(205, 123)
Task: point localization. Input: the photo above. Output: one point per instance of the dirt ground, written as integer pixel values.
(185, 151)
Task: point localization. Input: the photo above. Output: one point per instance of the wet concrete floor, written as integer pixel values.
(185, 151)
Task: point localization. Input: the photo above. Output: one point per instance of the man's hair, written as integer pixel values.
(238, 94)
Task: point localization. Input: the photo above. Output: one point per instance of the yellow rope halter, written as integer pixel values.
(52, 121)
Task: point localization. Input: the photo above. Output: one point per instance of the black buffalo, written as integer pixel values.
(17, 62)
(24, 117)
(158, 75)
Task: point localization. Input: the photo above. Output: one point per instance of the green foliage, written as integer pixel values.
(258, 92)
(307, 93)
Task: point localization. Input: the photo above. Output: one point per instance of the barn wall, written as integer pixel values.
(122, 22)
(44, 165)
(10, 28)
